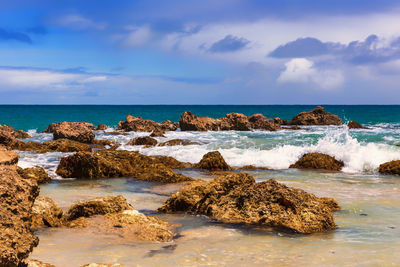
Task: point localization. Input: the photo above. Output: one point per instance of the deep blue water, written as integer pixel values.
(27, 117)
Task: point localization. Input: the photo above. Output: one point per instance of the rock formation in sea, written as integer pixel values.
(8, 157)
(17, 134)
(77, 131)
(146, 141)
(36, 173)
(355, 125)
(137, 124)
(158, 133)
(59, 145)
(391, 167)
(178, 142)
(101, 127)
(119, 163)
(237, 198)
(317, 116)
(318, 161)
(213, 161)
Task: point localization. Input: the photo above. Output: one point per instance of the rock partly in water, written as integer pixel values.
(318, 161)
(101, 127)
(77, 131)
(355, 125)
(391, 167)
(36, 173)
(158, 133)
(60, 145)
(7, 139)
(317, 116)
(237, 198)
(137, 124)
(213, 161)
(146, 141)
(118, 163)
(46, 213)
(252, 167)
(16, 200)
(178, 142)
(17, 134)
(259, 121)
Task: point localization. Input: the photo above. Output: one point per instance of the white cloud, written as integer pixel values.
(302, 70)
(138, 36)
(79, 22)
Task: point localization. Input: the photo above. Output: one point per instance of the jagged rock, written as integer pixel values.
(213, 161)
(391, 167)
(317, 116)
(318, 161)
(98, 206)
(102, 265)
(259, 121)
(36, 173)
(35, 263)
(46, 213)
(105, 144)
(101, 127)
(237, 198)
(178, 142)
(7, 139)
(137, 124)
(17, 134)
(16, 199)
(146, 141)
(8, 157)
(60, 145)
(119, 163)
(77, 131)
(158, 133)
(355, 125)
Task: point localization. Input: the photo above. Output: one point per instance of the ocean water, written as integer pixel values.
(368, 224)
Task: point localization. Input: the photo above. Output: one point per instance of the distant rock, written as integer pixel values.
(77, 131)
(213, 161)
(178, 142)
(391, 167)
(317, 116)
(259, 121)
(146, 141)
(318, 161)
(355, 125)
(158, 133)
(101, 127)
(252, 167)
(102, 265)
(137, 124)
(118, 163)
(237, 198)
(36, 173)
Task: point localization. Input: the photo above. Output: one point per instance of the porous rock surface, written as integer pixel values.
(391, 167)
(317, 116)
(137, 124)
(36, 173)
(318, 161)
(46, 213)
(213, 161)
(77, 131)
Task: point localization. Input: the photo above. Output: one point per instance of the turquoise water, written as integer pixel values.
(27, 117)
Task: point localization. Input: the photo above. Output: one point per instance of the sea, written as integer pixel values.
(368, 232)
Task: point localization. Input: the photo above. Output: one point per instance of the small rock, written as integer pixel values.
(213, 161)
(318, 161)
(178, 142)
(37, 173)
(146, 141)
(101, 127)
(46, 213)
(391, 167)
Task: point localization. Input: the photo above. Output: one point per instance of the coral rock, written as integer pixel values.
(36, 173)
(391, 167)
(318, 161)
(213, 161)
(46, 213)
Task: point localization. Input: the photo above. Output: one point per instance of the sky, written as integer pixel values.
(200, 52)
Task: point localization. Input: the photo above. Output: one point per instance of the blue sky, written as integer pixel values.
(199, 52)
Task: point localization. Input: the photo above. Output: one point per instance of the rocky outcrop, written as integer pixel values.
(317, 116)
(36, 173)
(213, 161)
(252, 167)
(8, 157)
(237, 198)
(119, 163)
(16, 199)
(101, 127)
(231, 121)
(35, 263)
(158, 133)
(17, 134)
(391, 167)
(77, 131)
(178, 142)
(7, 139)
(137, 124)
(146, 141)
(46, 213)
(60, 145)
(355, 125)
(318, 161)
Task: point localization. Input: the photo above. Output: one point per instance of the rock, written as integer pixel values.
(171, 162)
(259, 121)
(119, 163)
(178, 142)
(191, 122)
(36, 173)
(146, 141)
(137, 124)
(77, 131)
(16, 199)
(237, 198)
(17, 134)
(35, 263)
(7, 139)
(46, 213)
(158, 133)
(98, 206)
(60, 145)
(213, 161)
(318, 161)
(102, 265)
(391, 167)
(105, 144)
(8, 157)
(317, 116)
(355, 125)
(101, 127)
(252, 167)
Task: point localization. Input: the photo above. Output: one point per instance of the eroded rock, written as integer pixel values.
(318, 161)
(8, 157)
(17, 134)
(146, 141)
(137, 124)
(391, 167)
(355, 125)
(46, 213)
(178, 142)
(36, 173)
(60, 145)
(317, 116)
(213, 161)
(101, 127)
(77, 131)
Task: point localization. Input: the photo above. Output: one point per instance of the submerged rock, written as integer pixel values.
(77, 131)
(391, 167)
(16, 199)
(146, 141)
(137, 124)
(118, 163)
(213, 161)
(317, 116)
(178, 142)
(355, 125)
(46, 213)
(318, 161)
(36, 173)
(237, 198)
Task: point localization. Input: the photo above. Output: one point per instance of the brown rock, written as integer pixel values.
(8, 157)
(213, 161)
(252, 167)
(317, 116)
(158, 133)
(355, 125)
(146, 141)
(7, 139)
(137, 124)
(46, 213)
(105, 144)
(60, 145)
(318, 161)
(102, 265)
(53, 126)
(35, 263)
(16, 199)
(178, 142)
(17, 134)
(101, 127)
(391, 167)
(119, 163)
(77, 131)
(36, 173)
(259, 121)
(237, 198)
